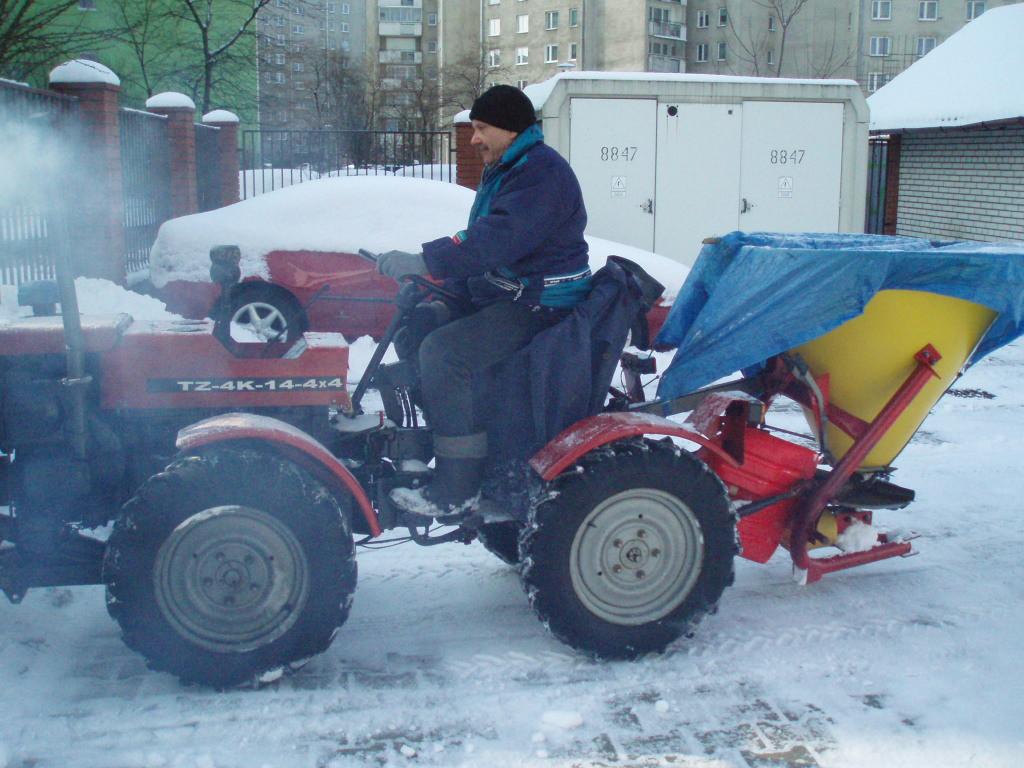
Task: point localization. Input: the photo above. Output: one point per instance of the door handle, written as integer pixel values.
(647, 206)
(745, 205)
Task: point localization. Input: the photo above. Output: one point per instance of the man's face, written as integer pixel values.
(491, 141)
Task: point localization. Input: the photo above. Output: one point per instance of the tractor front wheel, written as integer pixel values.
(634, 546)
(229, 567)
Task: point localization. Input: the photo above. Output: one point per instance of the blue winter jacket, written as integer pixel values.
(524, 241)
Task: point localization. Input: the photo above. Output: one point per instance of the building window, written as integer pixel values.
(522, 55)
(494, 58)
(721, 51)
(332, 7)
(550, 19)
(431, 19)
(493, 27)
(574, 17)
(346, 9)
(723, 16)
(298, 29)
(280, 40)
(432, 46)
(520, 84)
(344, 26)
(771, 56)
(928, 10)
(876, 80)
(572, 51)
(924, 45)
(279, 77)
(493, 2)
(880, 46)
(703, 19)
(975, 8)
(551, 53)
(297, 66)
(523, 23)
(771, 23)
(881, 10)
(279, 58)
(702, 52)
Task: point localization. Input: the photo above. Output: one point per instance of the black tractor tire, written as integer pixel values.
(230, 567)
(268, 312)
(630, 550)
(502, 540)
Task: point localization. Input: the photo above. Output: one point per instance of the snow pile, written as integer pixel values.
(341, 215)
(975, 76)
(83, 71)
(102, 297)
(170, 100)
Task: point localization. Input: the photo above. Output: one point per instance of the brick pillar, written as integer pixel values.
(892, 185)
(96, 215)
(469, 165)
(181, 139)
(227, 153)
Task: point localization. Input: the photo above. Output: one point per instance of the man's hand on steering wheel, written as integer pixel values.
(398, 264)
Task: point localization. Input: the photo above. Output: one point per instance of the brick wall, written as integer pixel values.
(469, 167)
(965, 183)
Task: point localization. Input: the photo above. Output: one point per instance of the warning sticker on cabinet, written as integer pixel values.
(785, 186)
(618, 186)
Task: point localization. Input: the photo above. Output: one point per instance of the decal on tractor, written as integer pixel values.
(265, 384)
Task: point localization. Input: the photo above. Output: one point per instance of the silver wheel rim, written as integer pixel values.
(231, 579)
(636, 556)
(264, 320)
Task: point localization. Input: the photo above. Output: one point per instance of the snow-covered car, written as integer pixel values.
(299, 246)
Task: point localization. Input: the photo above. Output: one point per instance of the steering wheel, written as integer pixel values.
(429, 287)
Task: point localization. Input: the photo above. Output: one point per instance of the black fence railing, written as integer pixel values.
(878, 168)
(207, 167)
(145, 175)
(38, 140)
(274, 159)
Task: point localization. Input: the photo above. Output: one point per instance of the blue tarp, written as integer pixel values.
(754, 295)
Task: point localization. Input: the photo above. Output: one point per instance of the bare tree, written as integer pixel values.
(210, 20)
(466, 78)
(35, 34)
(141, 27)
(338, 92)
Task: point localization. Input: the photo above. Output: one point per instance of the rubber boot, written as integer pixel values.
(455, 488)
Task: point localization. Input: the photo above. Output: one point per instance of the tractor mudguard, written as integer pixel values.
(299, 445)
(595, 431)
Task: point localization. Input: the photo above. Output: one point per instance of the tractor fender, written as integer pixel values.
(595, 431)
(296, 443)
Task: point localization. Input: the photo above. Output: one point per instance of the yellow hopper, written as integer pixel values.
(869, 357)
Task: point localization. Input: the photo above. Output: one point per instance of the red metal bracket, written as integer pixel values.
(808, 512)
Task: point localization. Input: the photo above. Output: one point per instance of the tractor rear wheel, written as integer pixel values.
(502, 540)
(230, 567)
(632, 550)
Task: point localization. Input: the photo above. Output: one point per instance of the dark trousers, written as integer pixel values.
(452, 356)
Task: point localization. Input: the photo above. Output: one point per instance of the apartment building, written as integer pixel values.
(868, 40)
(302, 47)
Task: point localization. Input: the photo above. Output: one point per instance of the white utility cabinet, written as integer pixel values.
(667, 160)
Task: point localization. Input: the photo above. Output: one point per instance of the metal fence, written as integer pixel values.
(878, 168)
(207, 167)
(146, 180)
(38, 137)
(274, 159)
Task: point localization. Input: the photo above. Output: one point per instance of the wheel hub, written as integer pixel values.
(231, 578)
(636, 556)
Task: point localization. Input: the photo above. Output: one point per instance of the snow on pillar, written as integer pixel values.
(96, 222)
(181, 138)
(227, 151)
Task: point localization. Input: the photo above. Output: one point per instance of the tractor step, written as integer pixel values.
(873, 493)
(883, 550)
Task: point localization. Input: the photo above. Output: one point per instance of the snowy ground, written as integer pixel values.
(912, 662)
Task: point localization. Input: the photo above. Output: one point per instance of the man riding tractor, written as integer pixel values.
(521, 266)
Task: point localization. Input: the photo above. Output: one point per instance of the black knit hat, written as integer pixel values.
(504, 106)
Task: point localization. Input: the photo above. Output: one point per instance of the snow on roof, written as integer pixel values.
(83, 71)
(975, 76)
(343, 214)
(540, 92)
(170, 100)
(220, 116)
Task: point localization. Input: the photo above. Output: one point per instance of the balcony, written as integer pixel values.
(673, 30)
(400, 84)
(400, 57)
(656, 63)
(400, 29)
(399, 3)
